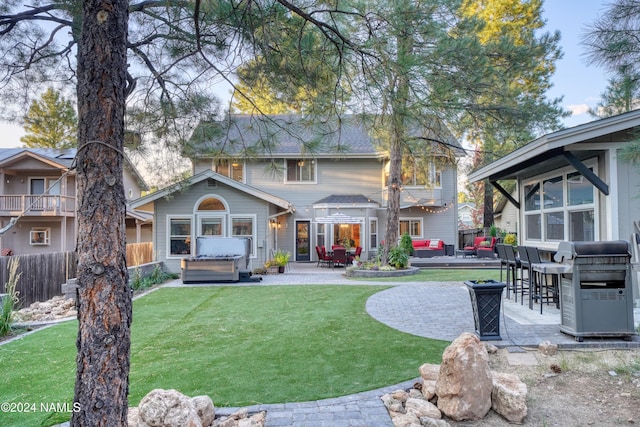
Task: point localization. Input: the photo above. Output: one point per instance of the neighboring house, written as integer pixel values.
(293, 199)
(466, 215)
(572, 184)
(505, 215)
(38, 193)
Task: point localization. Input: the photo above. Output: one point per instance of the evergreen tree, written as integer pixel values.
(622, 94)
(439, 65)
(527, 69)
(50, 122)
(613, 41)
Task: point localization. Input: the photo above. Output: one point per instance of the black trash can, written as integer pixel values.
(486, 296)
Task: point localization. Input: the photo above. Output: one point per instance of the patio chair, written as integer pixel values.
(339, 257)
(323, 258)
(356, 254)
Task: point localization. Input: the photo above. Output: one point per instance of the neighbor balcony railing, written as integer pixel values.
(32, 204)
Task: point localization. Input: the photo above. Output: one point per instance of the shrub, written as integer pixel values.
(281, 257)
(11, 299)
(156, 277)
(398, 257)
(510, 239)
(406, 244)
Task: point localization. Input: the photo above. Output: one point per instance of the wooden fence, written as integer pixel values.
(41, 275)
(139, 253)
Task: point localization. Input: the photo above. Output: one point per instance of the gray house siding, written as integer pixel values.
(183, 205)
(628, 207)
(350, 176)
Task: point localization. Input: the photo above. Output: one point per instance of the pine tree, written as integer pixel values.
(50, 122)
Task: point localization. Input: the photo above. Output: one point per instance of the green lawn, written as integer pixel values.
(239, 345)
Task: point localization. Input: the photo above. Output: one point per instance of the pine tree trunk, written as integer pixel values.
(394, 188)
(104, 297)
(487, 221)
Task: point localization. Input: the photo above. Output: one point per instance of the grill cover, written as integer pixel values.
(569, 251)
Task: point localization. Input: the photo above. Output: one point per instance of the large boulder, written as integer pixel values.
(464, 383)
(167, 408)
(205, 409)
(422, 408)
(509, 397)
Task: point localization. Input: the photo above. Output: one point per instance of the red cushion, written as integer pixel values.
(419, 243)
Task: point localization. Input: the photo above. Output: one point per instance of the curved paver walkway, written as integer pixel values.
(432, 310)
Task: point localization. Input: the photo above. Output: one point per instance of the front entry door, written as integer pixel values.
(303, 245)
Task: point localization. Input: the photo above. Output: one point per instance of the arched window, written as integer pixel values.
(211, 204)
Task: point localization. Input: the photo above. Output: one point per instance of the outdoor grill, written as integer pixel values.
(218, 260)
(596, 291)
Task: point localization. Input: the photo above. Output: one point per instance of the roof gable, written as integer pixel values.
(24, 158)
(41, 158)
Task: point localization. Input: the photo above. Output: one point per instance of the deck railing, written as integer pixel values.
(32, 204)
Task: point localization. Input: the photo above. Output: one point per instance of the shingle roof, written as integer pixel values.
(63, 157)
(283, 135)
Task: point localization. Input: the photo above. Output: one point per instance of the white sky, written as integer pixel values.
(580, 85)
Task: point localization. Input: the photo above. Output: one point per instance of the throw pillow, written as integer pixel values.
(485, 244)
(434, 243)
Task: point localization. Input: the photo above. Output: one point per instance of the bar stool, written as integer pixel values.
(513, 264)
(541, 289)
(525, 265)
(502, 255)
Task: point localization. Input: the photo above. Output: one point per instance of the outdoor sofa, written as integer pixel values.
(428, 248)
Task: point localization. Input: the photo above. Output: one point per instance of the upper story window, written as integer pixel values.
(418, 174)
(301, 170)
(230, 169)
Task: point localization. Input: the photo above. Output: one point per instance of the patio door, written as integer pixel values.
(303, 244)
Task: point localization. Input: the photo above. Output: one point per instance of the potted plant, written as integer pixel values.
(281, 258)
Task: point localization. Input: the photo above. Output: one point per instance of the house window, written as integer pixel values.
(560, 207)
(411, 226)
(211, 226)
(179, 236)
(418, 174)
(233, 170)
(244, 227)
(373, 233)
(301, 170)
(39, 236)
(347, 235)
(321, 240)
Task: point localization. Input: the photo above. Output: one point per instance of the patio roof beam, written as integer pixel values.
(506, 194)
(586, 172)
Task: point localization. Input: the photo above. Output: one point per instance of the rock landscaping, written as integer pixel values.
(56, 308)
(170, 408)
(462, 388)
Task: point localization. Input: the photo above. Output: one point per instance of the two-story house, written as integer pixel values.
(38, 201)
(291, 186)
